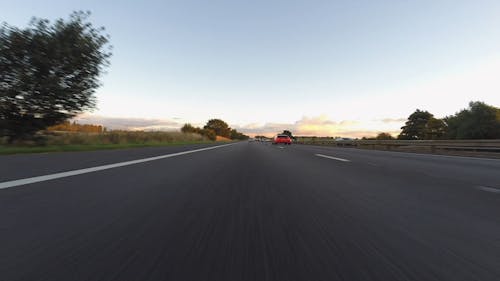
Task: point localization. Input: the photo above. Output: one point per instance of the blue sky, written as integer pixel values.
(347, 68)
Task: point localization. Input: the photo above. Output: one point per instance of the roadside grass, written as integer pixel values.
(67, 141)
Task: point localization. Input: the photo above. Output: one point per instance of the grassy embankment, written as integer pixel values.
(65, 141)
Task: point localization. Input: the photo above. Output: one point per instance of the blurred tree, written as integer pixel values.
(67, 126)
(479, 121)
(259, 137)
(235, 135)
(209, 133)
(188, 128)
(288, 133)
(213, 128)
(219, 127)
(384, 136)
(415, 127)
(435, 129)
(48, 73)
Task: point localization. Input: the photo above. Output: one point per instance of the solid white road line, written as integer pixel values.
(488, 189)
(19, 182)
(333, 158)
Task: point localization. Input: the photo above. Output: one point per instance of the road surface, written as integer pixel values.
(249, 211)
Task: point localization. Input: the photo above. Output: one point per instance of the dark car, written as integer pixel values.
(282, 139)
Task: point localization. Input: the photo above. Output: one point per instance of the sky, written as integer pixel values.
(325, 68)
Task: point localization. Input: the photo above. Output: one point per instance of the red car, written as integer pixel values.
(282, 139)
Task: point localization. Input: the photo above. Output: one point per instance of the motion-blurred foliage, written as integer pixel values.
(48, 73)
(67, 126)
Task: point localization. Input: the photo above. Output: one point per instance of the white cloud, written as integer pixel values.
(322, 125)
(120, 123)
(392, 120)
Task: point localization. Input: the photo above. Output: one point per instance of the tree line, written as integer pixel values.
(68, 126)
(478, 121)
(214, 128)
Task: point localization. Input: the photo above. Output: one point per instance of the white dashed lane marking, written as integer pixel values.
(333, 158)
(488, 189)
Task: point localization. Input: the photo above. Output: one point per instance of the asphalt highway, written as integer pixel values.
(249, 211)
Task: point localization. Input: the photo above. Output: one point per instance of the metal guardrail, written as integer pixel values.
(467, 147)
